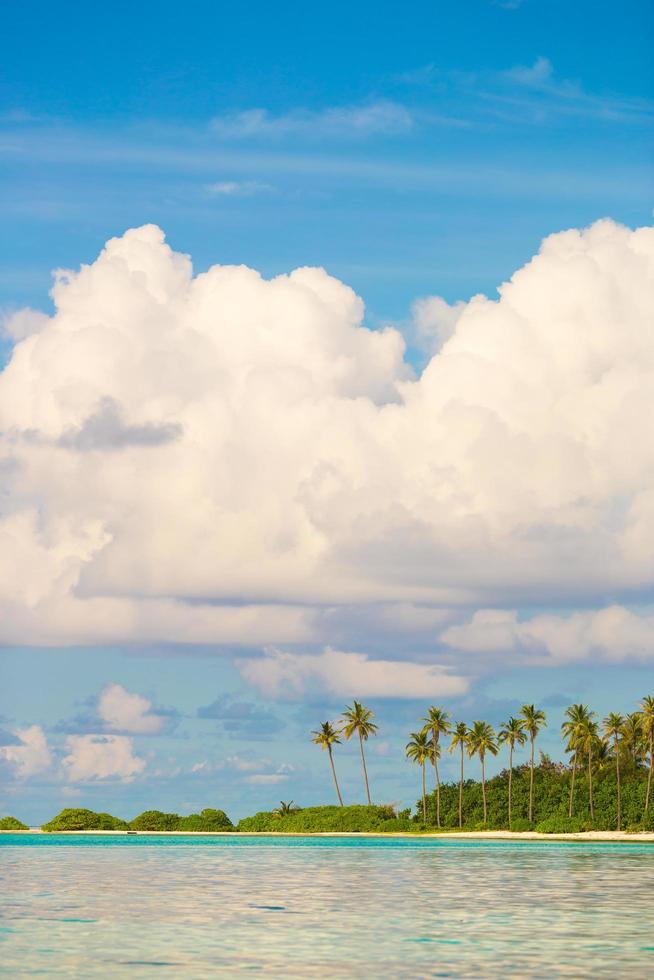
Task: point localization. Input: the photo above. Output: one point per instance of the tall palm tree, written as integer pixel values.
(326, 737)
(586, 740)
(437, 724)
(460, 735)
(613, 729)
(481, 740)
(534, 720)
(358, 719)
(511, 733)
(647, 724)
(633, 738)
(575, 716)
(421, 750)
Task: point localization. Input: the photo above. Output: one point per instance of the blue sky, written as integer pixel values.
(411, 154)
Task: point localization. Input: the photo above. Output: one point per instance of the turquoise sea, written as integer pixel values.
(194, 907)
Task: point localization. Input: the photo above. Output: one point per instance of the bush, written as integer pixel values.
(562, 825)
(155, 820)
(207, 820)
(520, 825)
(11, 823)
(323, 819)
(72, 819)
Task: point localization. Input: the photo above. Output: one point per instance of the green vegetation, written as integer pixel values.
(325, 819)
(207, 820)
(607, 786)
(84, 820)
(155, 820)
(11, 823)
(551, 790)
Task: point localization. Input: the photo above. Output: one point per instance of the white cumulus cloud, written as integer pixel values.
(93, 757)
(288, 675)
(612, 634)
(127, 711)
(219, 458)
(32, 755)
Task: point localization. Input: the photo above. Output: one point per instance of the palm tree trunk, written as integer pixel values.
(531, 782)
(338, 792)
(572, 783)
(424, 797)
(438, 782)
(365, 771)
(510, 780)
(649, 774)
(617, 776)
(461, 792)
(483, 786)
(590, 782)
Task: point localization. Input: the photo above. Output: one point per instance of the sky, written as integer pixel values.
(327, 371)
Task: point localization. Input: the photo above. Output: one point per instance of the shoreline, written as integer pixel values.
(590, 836)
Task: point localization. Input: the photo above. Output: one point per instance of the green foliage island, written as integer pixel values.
(606, 785)
(11, 823)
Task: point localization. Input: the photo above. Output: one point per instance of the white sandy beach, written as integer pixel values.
(609, 836)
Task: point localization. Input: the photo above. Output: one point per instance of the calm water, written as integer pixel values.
(287, 907)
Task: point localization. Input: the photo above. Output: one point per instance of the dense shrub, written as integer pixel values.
(83, 820)
(11, 823)
(325, 819)
(207, 820)
(155, 820)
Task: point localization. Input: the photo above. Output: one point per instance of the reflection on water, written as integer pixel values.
(115, 907)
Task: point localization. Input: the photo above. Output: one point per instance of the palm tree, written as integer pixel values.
(421, 750)
(326, 737)
(613, 729)
(285, 808)
(481, 740)
(359, 719)
(534, 720)
(512, 733)
(460, 735)
(575, 716)
(586, 739)
(437, 724)
(634, 737)
(647, 724)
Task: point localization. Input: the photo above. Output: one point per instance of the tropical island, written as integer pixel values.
(606, 785)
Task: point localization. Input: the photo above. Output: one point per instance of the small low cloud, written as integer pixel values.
(238, 188)
(266, 779)
(379, 117)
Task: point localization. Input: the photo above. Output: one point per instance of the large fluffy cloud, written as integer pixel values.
(210, 459)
